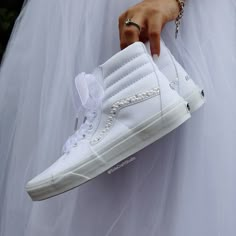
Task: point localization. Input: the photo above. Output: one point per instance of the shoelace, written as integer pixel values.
(82, 132)
(90, 93)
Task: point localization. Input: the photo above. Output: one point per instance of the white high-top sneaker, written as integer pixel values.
(179, 78)
(137, 108)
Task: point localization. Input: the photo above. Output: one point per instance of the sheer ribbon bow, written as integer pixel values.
(90, 94)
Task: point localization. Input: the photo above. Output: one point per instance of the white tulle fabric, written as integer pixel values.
(182, 185)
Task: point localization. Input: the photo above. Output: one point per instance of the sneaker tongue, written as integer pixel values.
(89, 90)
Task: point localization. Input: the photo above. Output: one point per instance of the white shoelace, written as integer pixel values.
(91, 93)
(82, 132)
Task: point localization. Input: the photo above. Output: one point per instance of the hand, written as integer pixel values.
(151, 16)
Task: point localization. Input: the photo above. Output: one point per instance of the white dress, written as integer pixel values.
(182, 185)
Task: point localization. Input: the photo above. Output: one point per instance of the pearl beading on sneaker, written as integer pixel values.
(117, 106)
(187, 77)
(173, 84)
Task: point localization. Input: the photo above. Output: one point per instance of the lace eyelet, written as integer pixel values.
(203, 93)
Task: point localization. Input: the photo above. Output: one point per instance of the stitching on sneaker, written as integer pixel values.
(128, 85)
(128, 73)
(125, 62)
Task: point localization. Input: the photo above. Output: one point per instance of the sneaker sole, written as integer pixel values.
(154, 129)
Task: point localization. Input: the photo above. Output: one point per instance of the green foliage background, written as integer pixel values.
(7, 19)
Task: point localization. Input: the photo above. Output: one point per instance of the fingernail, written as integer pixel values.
(155, 57)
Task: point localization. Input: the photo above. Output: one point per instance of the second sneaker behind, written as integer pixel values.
(178, 78)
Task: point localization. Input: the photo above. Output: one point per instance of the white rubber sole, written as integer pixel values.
(152, 130)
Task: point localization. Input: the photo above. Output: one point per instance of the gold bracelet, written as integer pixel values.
(179, 17)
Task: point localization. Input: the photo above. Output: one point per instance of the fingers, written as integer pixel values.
(151, 23)
(129, 33)
(154, 34)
